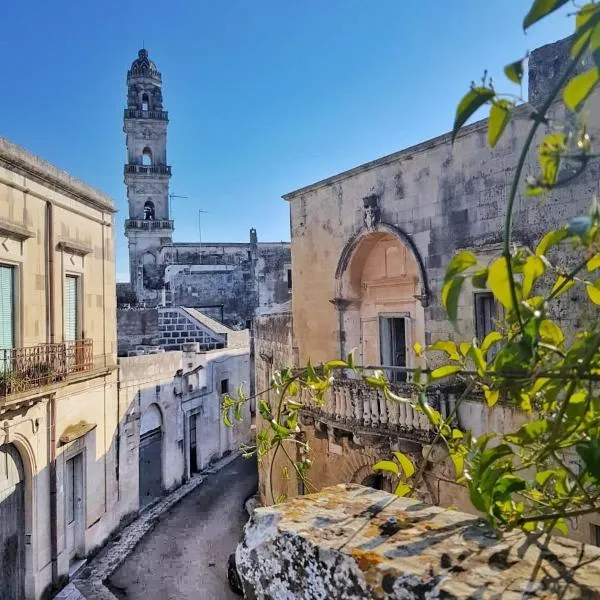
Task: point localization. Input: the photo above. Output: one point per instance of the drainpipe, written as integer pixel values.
(50, 335)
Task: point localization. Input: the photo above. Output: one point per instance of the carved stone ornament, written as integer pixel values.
(372, 213)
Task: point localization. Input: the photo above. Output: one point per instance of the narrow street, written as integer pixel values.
(185, 556)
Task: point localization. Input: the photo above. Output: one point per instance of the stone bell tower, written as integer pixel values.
(149, 226)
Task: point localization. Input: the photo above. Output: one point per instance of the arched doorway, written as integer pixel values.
(380, 290)
(150, 471)
(12, 523)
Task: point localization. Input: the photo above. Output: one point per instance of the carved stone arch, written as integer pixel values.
(364, 474)
(402, 236)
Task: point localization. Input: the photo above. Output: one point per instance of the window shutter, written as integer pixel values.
(71, 326)
(6, 307)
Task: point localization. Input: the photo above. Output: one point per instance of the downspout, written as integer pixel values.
(51, 336)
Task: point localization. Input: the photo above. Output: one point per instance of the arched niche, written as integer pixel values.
(381, 291)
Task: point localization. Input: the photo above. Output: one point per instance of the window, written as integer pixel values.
(392, 345)
(71, 304)
(485, 314)
(149, 211)
(596, 534)
(224, 386)
(7, 307)
(145, 102)
(289, 279)
(73, 483)
(147, 156)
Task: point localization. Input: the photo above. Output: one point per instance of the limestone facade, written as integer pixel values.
(370, 248)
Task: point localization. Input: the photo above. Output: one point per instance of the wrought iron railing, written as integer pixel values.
(23, 369)
(355, 406)
(148, 224)
(148, 169)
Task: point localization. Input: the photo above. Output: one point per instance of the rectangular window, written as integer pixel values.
(289, 279)
(7, 307)
(485, 314)
(71, 306)
(70, 490)
(596, 535)
(224, 386)
(392, 345)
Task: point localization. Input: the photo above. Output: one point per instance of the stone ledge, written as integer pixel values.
(350, 542)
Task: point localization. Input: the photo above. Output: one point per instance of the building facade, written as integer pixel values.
(370, 247)
(226, 281)
(59, 411)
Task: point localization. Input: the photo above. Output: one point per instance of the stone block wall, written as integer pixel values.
(136, 327)
(177, 328)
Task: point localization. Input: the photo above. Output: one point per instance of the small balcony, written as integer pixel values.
(147, 170)
(24, 369)
(148, 224)
(352, 405)
(134, 113)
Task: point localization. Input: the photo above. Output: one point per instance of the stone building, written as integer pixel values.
(59, 412)
(225, 281)
(370, 247)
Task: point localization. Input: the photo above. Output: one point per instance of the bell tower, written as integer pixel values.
(149, 226)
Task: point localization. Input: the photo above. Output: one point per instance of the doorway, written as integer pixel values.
(150, 465)
(74, 495)
(12, 524)
(193, 449)
(392, 345)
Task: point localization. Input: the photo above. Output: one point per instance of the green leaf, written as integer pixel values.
(386, 465)
(491, 396)
(514, 71)
(445, 371)
(279, 429)
(499, 118)
(490, 339)
(402, 489)
(593, 291)
(311, 376)
(507, 485)
(264, 410)
(550, 239)
(335, 364)
(585, 22)
(549, 155)
(405, 463)
(446, 346)
(477, 355)
(458, 461)
(464, 348)
(561, 526)
(475, 98)
(550, 332)
(460, 262)
(540, 9)
(394, 397)
(350, 359)
(226, 420)
(374, 382)
(561, 285)
(450, 297)
(590, 453)
(579, 88)
(418, 349)
(528, 433)
(479, 278)
(594, 262)
(498, 282)
(541, 477)
(532, 269)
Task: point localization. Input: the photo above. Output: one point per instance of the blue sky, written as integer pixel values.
(264, 96)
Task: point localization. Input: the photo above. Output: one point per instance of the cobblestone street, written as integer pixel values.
(185, 555)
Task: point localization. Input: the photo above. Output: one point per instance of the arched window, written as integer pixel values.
(147, 157)
(145, 102)
(149, 211)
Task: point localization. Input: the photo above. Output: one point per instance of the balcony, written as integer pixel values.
(24, 369)
(134, 113)
(149, 225)
(352, 405)
(147, 170)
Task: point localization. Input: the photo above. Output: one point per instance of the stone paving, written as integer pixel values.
(88, 584)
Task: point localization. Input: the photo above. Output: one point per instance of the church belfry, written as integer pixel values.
(149, 226)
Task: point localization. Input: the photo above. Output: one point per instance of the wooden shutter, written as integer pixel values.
(7, 326)
(71, 308)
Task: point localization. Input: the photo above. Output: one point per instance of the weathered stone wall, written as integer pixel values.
(137, 326)
(354, 543)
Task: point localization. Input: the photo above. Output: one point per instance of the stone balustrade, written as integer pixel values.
(355, 543)
(355, 406)
(148, 224)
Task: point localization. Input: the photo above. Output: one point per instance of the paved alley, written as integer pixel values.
(185, 556)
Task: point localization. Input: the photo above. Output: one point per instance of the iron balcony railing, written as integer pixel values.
(134, 113)
(150, 225)
(148, 169)
(24, 369)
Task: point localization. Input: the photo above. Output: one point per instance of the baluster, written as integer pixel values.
(383, 408)
(357, 401)
(374, 403)
(366, 397)
(393, 412)
(410, 416)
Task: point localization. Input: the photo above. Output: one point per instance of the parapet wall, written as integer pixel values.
(350, 542)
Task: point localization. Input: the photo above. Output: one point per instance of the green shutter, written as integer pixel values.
(6, 307)
(71, 325)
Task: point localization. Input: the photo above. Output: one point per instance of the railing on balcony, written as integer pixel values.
(134, 113)
(355, 406)
(150, 225)
(148, 169)
(24, 369)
